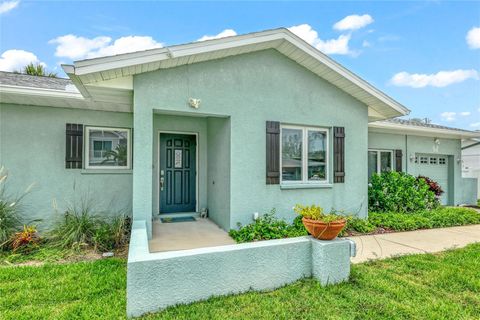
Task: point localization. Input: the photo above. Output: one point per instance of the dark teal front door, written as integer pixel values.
(177, 173)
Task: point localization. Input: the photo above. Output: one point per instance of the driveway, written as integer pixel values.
(413, 242)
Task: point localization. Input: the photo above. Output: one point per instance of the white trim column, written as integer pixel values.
(143, 165)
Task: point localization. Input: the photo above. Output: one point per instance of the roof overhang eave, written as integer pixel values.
(422, 131)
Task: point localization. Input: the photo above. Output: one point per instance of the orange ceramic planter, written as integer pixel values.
(324, 230)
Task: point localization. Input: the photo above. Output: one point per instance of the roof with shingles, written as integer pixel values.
(25, 80)
(417, 123)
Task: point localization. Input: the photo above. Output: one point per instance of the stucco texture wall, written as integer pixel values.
(32, 149)
(412, 145)
(252, 89)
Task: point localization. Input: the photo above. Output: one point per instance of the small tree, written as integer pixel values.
(37, 70)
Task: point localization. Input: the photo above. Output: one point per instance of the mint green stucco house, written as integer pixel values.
(237, 126)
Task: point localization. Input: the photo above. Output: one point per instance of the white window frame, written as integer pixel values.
(379, 162)
(305, 180)
(86, 148)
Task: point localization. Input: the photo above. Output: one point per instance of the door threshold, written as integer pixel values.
(178, 215)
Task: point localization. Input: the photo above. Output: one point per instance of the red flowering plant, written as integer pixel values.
(434, 186)
(28, 238)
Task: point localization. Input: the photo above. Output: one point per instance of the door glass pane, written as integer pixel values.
(291, 154)
(372, 163)
(385, 161)
(317, 155)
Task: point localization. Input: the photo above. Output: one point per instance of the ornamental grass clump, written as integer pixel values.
(10, 206)
(82, 226)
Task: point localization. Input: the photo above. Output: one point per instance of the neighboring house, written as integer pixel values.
(471, 159)
(237, 125)
(423, 149)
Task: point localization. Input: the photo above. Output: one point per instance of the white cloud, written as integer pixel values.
(223, 34)
(75, 47)
(475, 125)
(127, 44)
(8, 5)
(15, 60)
(439, 79)
(332, 46)
(448, 116)
(353, 22)
(465, 113)
(473, 38)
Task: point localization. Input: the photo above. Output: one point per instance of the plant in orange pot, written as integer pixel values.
(320, 225)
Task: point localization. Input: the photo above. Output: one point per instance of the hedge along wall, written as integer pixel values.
(158, 280)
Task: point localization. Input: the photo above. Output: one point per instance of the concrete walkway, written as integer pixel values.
(187, 235)
(413, 242)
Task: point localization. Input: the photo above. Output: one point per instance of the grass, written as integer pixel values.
(443, 286)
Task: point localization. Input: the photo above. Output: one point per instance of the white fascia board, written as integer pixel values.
(414, 130)
(155, 55)
(41, 92)
(137, 58)
(70, 71)
(344, 72)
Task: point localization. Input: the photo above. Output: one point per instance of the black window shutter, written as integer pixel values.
(74, 146)
(338, 154)
(398, 160)
(273, 152)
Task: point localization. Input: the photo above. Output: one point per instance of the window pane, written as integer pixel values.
(107, 148)
(385, 161)
(372, 163)
(317, 155)
(291, 154)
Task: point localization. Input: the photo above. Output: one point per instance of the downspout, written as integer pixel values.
(407, 157)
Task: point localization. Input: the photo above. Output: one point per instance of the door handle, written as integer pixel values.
(162, 179)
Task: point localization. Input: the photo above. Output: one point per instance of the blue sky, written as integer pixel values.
(426, 55)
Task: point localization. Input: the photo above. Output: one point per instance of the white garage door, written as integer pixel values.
(436, 168)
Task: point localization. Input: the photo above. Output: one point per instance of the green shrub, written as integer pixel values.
(399, 192)
(82, 226)
(358, 225)
(268, 227)
(426, 219)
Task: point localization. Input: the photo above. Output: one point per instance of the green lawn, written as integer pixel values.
(444, 286)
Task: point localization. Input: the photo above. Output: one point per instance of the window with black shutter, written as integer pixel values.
(273, 152)
(339, 154)
(398, 160)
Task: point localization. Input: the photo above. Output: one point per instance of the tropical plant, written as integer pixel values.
(117, 156)
(28, 238)
(9, 210)
(399, 192)
(37, 70)
(433, 185)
